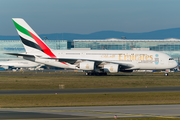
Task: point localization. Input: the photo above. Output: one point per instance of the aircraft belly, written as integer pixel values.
(149, 66)
(146, 66)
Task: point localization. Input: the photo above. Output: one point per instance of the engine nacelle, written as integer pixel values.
(111, 68)
(87, 65)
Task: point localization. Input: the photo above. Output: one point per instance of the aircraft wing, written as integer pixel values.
(77, 60)
(97, 62)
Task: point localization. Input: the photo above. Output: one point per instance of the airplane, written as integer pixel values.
(93, 62)
(18, 64)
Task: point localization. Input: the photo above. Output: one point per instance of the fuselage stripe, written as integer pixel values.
(43, 46)
(30, 44)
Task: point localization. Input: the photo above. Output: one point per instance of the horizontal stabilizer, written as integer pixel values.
(18, 54)
(24, 56)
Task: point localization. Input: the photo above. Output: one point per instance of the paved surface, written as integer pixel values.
(100, 90)
(15, 115)
(91, 112)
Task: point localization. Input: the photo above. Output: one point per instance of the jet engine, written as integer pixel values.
(87, 65)
(111, 68)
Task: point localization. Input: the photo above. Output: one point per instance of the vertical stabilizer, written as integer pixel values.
(31, 41)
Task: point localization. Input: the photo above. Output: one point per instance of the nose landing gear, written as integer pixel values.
(166, 74)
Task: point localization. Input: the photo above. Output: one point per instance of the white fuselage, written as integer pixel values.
(142, 60)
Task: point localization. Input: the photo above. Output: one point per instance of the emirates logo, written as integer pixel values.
(111, 69)
(87, 66)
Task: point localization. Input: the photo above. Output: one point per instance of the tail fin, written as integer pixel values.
(31, 41)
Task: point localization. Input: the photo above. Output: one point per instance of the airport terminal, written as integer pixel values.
(16, 46)
(168, 46)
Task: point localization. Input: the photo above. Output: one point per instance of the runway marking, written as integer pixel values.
(98, 112)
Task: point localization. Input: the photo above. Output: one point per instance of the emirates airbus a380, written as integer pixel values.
(99, 62)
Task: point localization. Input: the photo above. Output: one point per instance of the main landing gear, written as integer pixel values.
(96, 74)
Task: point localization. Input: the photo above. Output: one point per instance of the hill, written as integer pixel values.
(159, 34)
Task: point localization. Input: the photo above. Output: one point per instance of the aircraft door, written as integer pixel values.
(162, 61)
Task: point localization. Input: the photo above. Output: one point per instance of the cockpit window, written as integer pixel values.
(171, 59)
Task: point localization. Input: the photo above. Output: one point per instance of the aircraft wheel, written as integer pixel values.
(101, 74)
(97, 74)
(166, 74)
(91, 73)
(86, 74)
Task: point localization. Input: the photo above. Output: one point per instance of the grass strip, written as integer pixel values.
(52, 80)
(90, 99)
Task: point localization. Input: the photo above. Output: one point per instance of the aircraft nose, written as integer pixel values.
(174, 64)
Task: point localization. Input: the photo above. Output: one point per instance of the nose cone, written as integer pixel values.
(174, 64)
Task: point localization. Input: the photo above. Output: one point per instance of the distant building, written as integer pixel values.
(16, 46)
(168, 46)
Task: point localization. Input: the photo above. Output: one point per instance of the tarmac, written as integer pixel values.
(93, 90)
(91, 112)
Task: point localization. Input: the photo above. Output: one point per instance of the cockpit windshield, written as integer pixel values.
(171, 58)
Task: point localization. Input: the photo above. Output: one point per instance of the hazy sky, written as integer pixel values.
(88, 16)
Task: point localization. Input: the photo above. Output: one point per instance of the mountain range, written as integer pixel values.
(158, 34)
